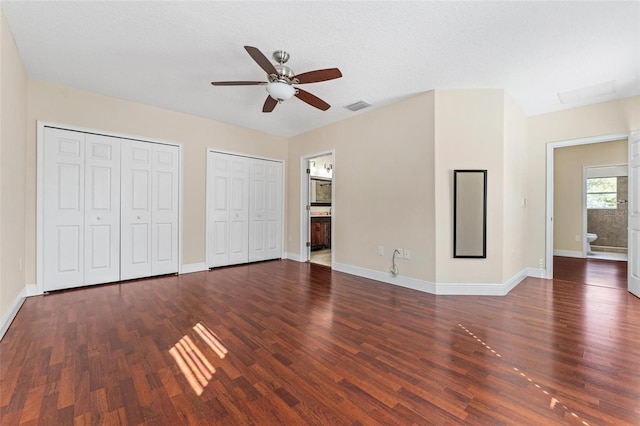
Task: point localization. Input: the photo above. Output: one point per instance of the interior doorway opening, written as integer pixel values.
(552, 218)
(319, 206)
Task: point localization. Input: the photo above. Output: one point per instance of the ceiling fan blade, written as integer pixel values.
(312, 100)
(269, 104)
(261, 60)
(318, 75)
(238, 83)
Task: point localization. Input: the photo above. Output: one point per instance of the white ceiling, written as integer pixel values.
(166, 53)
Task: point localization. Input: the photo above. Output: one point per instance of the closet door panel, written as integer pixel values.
(227, 209)
(273, 210)
(135, 255)
(258, 217)
(239, 210)
(63, 233)
(102, 209)
(218, 212)
(164, 215)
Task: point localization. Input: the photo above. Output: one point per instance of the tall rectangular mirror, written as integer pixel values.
(470, 213)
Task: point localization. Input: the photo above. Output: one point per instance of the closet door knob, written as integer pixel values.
(139, 217)
(99, 218)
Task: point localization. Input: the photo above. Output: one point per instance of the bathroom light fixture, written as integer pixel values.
(328, 167)
(280, 91)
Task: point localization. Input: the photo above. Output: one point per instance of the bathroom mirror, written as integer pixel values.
(320, 191)
(470, 213)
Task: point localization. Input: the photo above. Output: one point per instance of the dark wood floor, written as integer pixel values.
(605, 273)
(293, 343)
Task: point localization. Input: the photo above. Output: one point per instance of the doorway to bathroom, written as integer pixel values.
(605, 214)
(557, 225)
(319, 205)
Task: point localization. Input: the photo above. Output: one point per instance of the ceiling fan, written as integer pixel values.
(282, 78)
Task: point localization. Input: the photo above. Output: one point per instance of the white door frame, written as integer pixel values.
(40, 125)
(207, 200)
(305, 218)
(633, 267)
(551, 146)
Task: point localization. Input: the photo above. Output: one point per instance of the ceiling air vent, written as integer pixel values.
(588, 93)
(357, 106)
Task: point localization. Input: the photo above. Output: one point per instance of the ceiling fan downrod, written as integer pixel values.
(285, 74)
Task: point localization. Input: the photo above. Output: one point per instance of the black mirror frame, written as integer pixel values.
(484, 214)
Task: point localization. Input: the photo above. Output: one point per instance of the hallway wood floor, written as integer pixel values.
(292, 343)
(605, 273)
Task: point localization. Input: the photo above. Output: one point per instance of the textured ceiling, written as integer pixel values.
(166, 53)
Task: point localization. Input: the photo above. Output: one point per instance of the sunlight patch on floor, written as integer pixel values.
(210, 338)
(193, 363)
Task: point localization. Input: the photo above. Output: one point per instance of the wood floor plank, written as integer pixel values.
(292, 343)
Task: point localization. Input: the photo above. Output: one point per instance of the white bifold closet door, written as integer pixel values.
(149, 209)
(265, 225)
(244, 209)
(81, 209)
(228, 209)
(110, 209)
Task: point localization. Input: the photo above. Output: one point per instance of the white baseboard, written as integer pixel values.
(32, 290)
(537, 272)
(568, 253)
(385, 277)
(511, 283)
(193, 267)
(482, 289)
(471, 289)
(5, 322)
(292, 256)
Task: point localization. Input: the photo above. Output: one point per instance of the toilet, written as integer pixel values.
(590, 238)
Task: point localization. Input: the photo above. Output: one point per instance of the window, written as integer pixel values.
(602, 193)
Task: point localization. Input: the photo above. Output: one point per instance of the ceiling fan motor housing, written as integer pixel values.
(285, 74)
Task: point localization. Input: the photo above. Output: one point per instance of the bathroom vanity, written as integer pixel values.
(320, 232)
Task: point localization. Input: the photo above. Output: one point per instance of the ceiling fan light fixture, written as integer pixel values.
(280, 91)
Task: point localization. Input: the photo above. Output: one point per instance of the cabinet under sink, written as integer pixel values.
(320, 232)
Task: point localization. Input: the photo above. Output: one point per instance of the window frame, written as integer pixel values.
(615, 193)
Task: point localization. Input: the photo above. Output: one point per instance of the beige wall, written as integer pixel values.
(469, 135)
(65, 105)
(617, 116)
(384, 186)
(13, 109)
(568, 187)
(404, 202)
(514, 224)
(408, 203)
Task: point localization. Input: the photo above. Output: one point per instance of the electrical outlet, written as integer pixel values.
(405, 254)
(380, 250)
(399, 253)
(577, 237)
